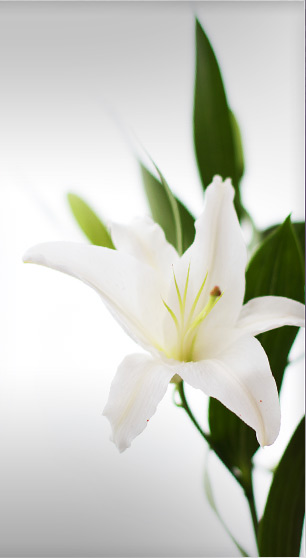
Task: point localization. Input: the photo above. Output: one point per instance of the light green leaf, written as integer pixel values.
(280, 529)
(159, 195)
(88, 221)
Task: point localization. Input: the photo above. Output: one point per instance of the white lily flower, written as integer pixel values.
(187, 312)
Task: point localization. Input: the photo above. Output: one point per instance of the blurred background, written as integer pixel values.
(76, 78)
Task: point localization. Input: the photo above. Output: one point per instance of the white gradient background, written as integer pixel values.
(69, 73)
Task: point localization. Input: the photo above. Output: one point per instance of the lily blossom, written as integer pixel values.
(187, 312)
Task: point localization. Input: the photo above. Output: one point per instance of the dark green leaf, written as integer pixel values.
(162, 211)
(280, 529)
(232, 440)
(299, 228)
(90, 224)
(238, 146)
(216, 133)
(275, 269)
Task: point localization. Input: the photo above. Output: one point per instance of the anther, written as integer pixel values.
(215, 291)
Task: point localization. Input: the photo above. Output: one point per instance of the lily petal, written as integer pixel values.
(220, 250)
(269, 312)
(129, 289)
(145, 240)
(139, 385)
(242, 380)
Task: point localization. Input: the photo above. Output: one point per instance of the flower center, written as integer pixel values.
(187, 324)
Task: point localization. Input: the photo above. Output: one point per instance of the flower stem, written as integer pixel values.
(249, 493)
(184, 405)
(246, 482)
(253, 514)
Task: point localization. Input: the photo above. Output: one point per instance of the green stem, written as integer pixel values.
(246, 482)
(184, 405)
(249, 493)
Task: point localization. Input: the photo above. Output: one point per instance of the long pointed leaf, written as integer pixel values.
(280, 529)
(217, 138)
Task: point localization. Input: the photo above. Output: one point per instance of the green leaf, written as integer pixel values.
(238, 146)
(88, 221)
(162, 210)
(299, 229)
(275, 269)
(233, 441)
(217, 138)
(280, 529)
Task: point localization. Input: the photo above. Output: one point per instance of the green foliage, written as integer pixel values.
(299, 229)
(162, 210)
(239, 157)
(217, 137)
(88, 221)
(280, 529)
(275, 269)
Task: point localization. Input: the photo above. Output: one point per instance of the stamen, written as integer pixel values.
(196, 300)
(215, 292)
(190, 352)
(186, 286)
(187, 329)
(215, 295)
(178, 293)
(173, 316)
